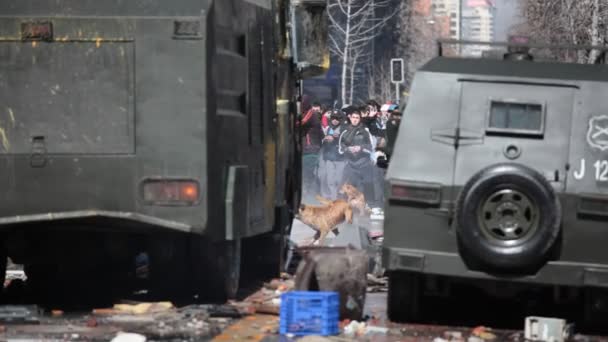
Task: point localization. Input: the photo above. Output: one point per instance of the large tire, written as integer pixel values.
(221, 276)
(168, 268)
(404, 303)
(3, 264)
(508, 218)
(265, 255)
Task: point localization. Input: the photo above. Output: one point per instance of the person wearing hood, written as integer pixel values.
(312, 134)
(331, 164)
(356, 145)
(392, 128)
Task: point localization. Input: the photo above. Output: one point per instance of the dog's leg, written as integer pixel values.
(349, 215)
(321, 238)
(317, 235)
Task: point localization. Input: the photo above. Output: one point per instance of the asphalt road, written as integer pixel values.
(458, 319)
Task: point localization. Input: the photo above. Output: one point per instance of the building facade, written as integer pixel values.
(478, 25)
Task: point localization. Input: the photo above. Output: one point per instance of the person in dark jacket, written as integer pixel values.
(312, 134)
(392, 128)
(331, 163)
(356, 146)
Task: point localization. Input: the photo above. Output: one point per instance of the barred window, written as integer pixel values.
(518, 118)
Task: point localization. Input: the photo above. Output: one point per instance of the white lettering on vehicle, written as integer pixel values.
(601, 170)
(581, 172)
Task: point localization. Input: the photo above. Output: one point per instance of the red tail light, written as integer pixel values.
(37, 31)
(170, 192)
(416, 192)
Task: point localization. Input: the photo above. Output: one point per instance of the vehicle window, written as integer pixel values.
(518, 118)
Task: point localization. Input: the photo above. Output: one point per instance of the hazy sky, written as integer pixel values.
(506, 15)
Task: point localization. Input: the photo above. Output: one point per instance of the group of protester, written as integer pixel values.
(343, 146)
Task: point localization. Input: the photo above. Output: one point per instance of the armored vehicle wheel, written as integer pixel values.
(3, 264)
(595, 308)
(168, 270)
(222, 277)
(508, 219)
(404, 296)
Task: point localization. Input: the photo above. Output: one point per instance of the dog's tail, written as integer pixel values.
(323, 200)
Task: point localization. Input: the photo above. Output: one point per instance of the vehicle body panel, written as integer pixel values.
(143, 90)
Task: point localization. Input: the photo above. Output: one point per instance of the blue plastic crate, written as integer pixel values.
(310, 313)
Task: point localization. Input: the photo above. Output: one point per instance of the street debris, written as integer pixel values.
(129, 337)
(135, 309)
(19, 314)
(355, 328)
(15, 274)
(376, 284)
(484, 333)
(546, 329)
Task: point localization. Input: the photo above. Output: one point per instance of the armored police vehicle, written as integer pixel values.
(164, 127)
(499, 173)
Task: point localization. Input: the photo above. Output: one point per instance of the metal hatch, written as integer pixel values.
(74, 96)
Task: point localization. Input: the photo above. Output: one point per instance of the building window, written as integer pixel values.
(515, 118)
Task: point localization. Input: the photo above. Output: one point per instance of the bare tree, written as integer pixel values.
(353, 24)
(380, 87)
(583, 22)
(419, 30)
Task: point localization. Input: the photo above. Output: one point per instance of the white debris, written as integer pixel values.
(475, 339)
(374, 329)
(129, 337)
(355, 328)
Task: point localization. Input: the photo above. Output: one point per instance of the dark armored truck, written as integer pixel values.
(499, 174)
(165, 127)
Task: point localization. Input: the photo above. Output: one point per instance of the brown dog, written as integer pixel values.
(326, 217)
(356, 199)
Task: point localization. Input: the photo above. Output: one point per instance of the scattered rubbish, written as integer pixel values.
(475, 339)
(355, 328)
(143, 308)
(546, 329)
(129, 337)
(314, 339)
(374, 329)
(12, 275)
(91, 322)
(135, 309)
(122, 318)
(19, 314)
(104, 311)
(230, 311)
(267, 300)
(484, 333)
(453, 336)
(309, 313)
(376, 284)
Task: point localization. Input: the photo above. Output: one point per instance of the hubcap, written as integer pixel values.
(508, 217)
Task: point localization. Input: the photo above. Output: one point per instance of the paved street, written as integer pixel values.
(237, 322)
